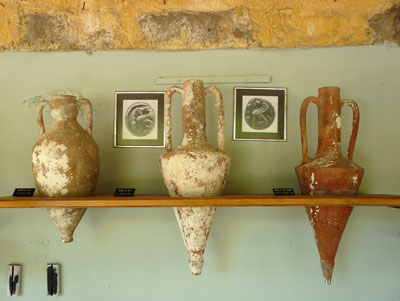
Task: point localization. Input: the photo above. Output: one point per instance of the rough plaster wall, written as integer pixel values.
(196, 24)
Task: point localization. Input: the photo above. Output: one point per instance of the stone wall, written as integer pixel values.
(197, 24)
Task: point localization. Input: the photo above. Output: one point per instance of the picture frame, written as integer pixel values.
(139, 119)
(259, 113)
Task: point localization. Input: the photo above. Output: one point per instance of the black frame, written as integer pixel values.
(239, 134)
(120, 97)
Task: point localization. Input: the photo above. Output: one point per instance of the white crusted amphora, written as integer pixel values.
(65, 160)
(194, 169)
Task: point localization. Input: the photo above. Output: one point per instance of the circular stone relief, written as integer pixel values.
(140, 119)
(259, 113)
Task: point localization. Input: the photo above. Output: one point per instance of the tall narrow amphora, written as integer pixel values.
(194, 169)
(329, 172)
(65, 160)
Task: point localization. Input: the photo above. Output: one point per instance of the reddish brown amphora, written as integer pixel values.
(329, 172)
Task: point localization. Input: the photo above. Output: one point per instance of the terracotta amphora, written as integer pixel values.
(329, 172)
(65, 159)
(194, 169)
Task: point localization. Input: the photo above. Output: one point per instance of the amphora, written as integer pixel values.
(329, 172)
(65, 159)
(194, 169)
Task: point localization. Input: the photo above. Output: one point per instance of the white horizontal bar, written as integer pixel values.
(215, 79)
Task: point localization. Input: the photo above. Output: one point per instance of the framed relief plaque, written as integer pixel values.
(139, 119)
(259, 114)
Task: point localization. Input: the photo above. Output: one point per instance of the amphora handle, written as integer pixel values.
(354, 131)
(167, 115)
(89, 114)
(39, 115)
(220, 113)
(303, 126)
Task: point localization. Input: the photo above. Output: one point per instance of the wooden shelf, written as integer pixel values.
(223, 201)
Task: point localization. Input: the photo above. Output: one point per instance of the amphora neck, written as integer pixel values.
(64, 107)
(329, 121)
(194, 113)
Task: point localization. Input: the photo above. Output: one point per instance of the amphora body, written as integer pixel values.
(194, 169)
(329, 172)
(65, 159)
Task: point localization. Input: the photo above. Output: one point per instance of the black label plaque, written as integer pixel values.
(24, 192)
(283, 191)
(124, 192)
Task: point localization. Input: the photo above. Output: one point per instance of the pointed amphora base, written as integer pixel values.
(66, 220)
(329, 176)
(195, 224)
(328, 223)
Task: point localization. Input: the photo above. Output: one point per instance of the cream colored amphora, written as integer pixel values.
(65, 160)
(195, 169)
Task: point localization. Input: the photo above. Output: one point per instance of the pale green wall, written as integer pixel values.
(252, 253)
